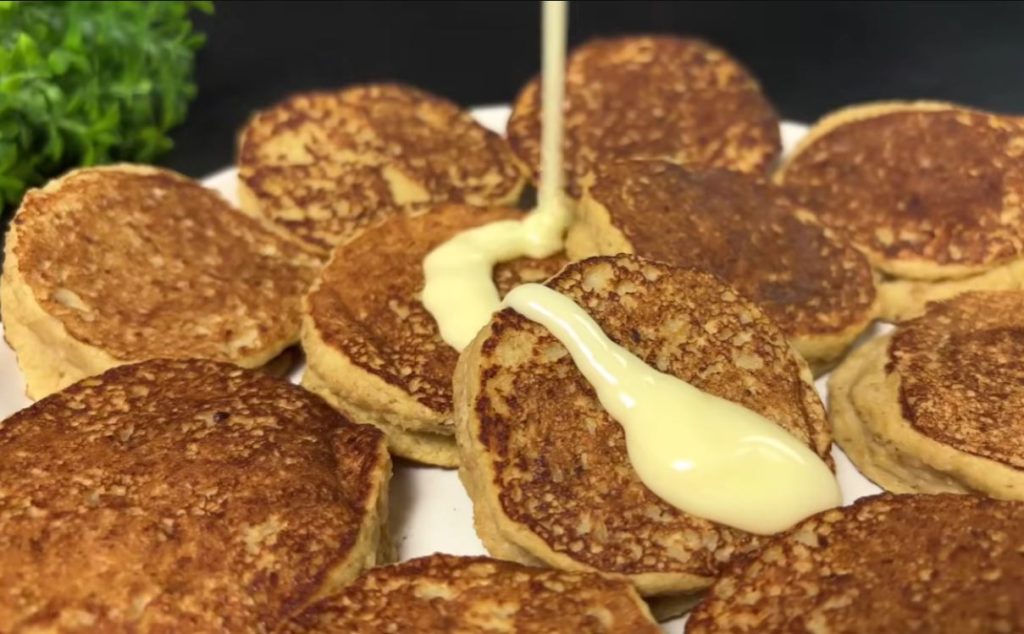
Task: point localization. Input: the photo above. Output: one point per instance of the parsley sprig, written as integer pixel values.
(83, 83)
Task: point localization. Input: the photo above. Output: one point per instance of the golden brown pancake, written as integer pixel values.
(110, 265)
(937, 405)
(817, 288)
(183, 496)
(324, 165)
(928, 564)
(930, 192)
(444, 593)
(653, 97)
(374, 351)
(545, 464)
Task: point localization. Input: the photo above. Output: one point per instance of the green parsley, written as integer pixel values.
(84, 83)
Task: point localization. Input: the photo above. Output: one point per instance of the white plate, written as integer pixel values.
(430, 511)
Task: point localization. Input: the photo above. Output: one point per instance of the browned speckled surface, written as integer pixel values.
(323, 164)
(177, 496)
(745, 231)
(928, 564)
(942, 186)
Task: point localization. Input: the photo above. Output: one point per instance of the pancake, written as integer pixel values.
(183, 496)
(324, 165)
(652, 97)
(444, 593)
(930, 192)
(936, 406)
(111, 265)
(546, 466)
(817, 288)
(373, 350)
(936, 564)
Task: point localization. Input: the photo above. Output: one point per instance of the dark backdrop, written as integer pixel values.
(810, 57)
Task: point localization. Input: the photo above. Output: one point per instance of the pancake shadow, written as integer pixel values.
(402, 496)
(289, 364)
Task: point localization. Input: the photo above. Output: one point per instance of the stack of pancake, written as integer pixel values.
(163, 484)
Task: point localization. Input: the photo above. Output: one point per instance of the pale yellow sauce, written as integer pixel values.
(700, 453)
(459, 290)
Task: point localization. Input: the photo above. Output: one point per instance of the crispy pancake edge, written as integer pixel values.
(421, 446)
(902, 300)
(458, 576)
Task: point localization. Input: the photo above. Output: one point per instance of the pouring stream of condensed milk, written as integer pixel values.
(462, 267)
(703, 454)
(700, 453)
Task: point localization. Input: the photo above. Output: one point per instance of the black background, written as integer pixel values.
(810, 57)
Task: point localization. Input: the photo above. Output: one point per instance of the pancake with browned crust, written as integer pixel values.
(373, 350)
(183, 496)
(927, 564)
(936, 406)
(110, 265)
(930, 192)
(545, 464)
(817, 288)
(445, 593)
(324, 165)
(653, 97)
